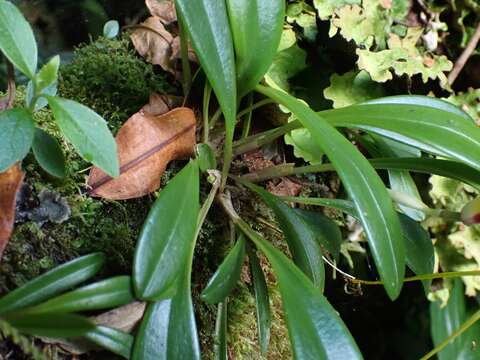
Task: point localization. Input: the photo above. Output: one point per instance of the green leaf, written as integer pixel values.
(364, 186)
(48, 153)
(168, 329)
(287, 63)
(445, 320)
(220, 348)
(167, 235)
(326, 231)
(16, 39)
(17, 129)
(206, 157)
(256, 27)
(111, 29)
(315, 329)
(41, 101)
(48, 74)
(208, 27)
(104, 294)
(113, 340)
(87, 132)
(53, 282)
(51, 325)
(301, 239)
(420, 254)
(227, 274)
(432, 130)
(262, 301)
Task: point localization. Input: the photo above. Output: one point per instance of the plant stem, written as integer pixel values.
(10, 85)
(207, 92)
(444, 275)
(255, 106)
(216, 180)
(248, 117)
(472, 320)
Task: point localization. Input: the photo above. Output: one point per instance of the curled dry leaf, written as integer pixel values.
(163, 9)
(10, 182)
(161, 104)
(146, 144)
(154, 43)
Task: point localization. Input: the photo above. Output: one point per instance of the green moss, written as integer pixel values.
(108, 76)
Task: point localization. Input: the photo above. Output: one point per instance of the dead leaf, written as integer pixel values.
(10, 182)
(285, 187)
(177, 51)
(161, 104)
(146, 144)
(154, 43)
(163, 9)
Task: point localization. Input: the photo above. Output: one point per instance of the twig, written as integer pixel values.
(462, 60)
(11, 85)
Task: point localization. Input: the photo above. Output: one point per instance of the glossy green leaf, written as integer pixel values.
(208, 28)
(314, 327)
(17, 129)
(364, 186)
(220, 347)
(87, 132)
(104, 294)
(432, 130)
(256, 27)
(16, 39)
(444, 321)
(53, 282)
(420, 100)
(419, 247)
(262, 301)
(446, 168)
(51, 325)
(301, 239)
(112, 340)
(206, 157)
(326, 231)
(420, 255)
(167, 236)
(400, 180)
(168, 329)
(48, 74)
(227, 275)
(48, 153)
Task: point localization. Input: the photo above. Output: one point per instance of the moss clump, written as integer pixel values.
(108, 76)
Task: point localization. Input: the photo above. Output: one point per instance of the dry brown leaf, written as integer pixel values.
(154, 43)
(161, 104)
(163, 9)
(177, 51)
(10, 182)
(146, 144)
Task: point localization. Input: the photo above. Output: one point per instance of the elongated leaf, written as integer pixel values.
(420, 100)
(315, 329)
(256, 27)
(104, 294)
(400, 181)
(87, 132)
(364, 186)
(419, 247)
(17, 129)
(168, 329)
(167, 235)
(51, 325)
(48, 74)
(432, 130)
(48, 153)
(262, 301)
(52, 282)
(326, 231)
(220, 347)
(208, 27)
(111, 339)
(16, 39)
(444, 321)
(227, 274)
(300, 237)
